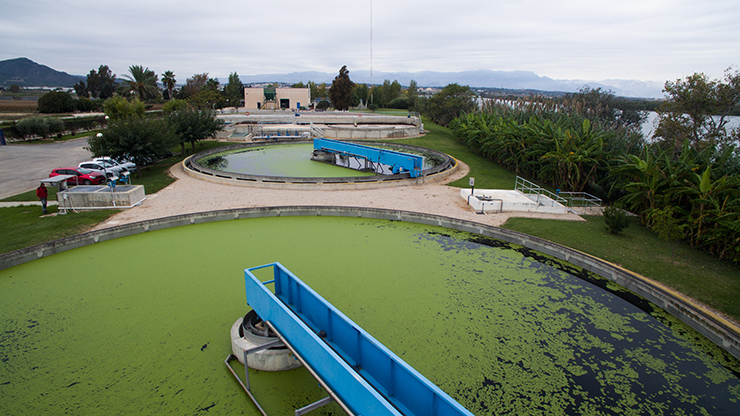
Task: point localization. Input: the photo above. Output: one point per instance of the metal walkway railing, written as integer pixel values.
(537, 193)
(568, 199)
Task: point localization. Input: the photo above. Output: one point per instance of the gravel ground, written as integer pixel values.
(190, 195)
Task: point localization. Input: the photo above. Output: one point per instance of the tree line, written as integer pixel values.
(142, 137)
(684, 184)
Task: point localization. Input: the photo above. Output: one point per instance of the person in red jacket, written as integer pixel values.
(42, 193)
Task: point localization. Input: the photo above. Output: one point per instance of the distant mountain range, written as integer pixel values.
(26, 73)
(516, 80)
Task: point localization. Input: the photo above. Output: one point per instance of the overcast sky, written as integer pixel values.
(648, 40)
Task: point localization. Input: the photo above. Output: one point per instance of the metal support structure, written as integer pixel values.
(314, 406)
(398, 161)
(280, 341)
(359, 372)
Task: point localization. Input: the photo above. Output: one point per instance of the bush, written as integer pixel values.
(175, 105)
(449, 103)
(323, 105)
(119, 108)
(39, 126)
(86, 105)
(56, 102)
(401, 103)
(76, 124)
(615, 219)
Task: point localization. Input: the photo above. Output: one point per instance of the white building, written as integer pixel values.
(276, 98)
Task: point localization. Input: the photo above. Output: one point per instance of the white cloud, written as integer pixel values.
(577, 39)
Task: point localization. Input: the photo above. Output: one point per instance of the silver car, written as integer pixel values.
(130, 166)
(108, 169)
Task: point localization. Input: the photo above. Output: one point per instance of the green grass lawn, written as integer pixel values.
(23, 226)
(488, 175)
(695, 273)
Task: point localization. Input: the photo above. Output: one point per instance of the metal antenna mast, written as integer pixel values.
(371, 51)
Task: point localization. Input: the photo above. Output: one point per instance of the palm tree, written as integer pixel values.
(142, 82)
(168, 79)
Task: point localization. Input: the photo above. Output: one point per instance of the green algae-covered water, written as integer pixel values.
(140, 324)
(289, 160)
(294, 160)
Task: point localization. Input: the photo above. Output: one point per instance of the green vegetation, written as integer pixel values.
(21, 226)
(100, 84)
(543, 142)
(615, 219)
(233, 90)
(56, 102)
(340, 92)
(695, 273)
(487, 175)
(39, 126)
(446, 105)
(141, 82)
(576, 145)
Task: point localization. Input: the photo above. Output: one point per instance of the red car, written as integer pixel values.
(79, 175)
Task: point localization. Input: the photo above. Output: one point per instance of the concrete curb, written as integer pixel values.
(28, 203)
(709, 323)
(433, 175)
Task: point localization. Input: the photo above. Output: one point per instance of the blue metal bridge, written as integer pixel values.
(358, 372)
(399, 162)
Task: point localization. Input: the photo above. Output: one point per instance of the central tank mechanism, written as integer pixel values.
(250, 332)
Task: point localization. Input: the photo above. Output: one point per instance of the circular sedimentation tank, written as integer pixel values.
(139, 324)
(288, 164)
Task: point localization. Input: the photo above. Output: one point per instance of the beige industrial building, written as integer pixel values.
(276, 98)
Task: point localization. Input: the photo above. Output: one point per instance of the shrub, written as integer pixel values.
(39, 126)
(615, 219)
(322, 105)
(76, 124)
(87, 105)
(175, 105)
(119, 108)
(56, 102)
(401, 103)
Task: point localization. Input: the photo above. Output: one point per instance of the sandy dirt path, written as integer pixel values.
(191, 195)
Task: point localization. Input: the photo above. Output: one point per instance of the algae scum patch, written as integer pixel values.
(140, 325)
(277, 160)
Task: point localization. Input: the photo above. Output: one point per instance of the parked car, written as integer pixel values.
(109, 169)
(130, 166)
(79, 175)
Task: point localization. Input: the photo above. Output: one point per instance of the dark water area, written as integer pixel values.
(140, 324)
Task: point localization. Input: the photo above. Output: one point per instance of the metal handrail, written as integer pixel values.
(586, 199)
(530, 188)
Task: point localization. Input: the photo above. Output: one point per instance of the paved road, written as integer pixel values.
(23, 165)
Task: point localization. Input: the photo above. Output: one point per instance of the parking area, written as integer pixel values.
(22, 165)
